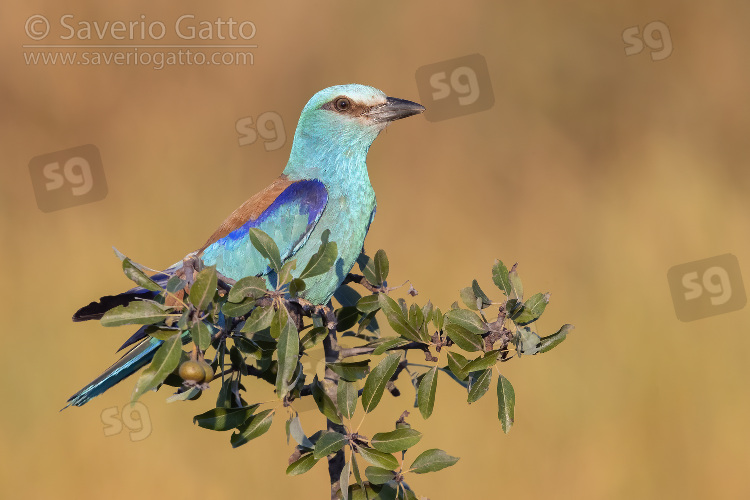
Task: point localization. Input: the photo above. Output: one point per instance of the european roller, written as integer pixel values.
(324, 186)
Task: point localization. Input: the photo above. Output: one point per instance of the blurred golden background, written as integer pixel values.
(596, 170)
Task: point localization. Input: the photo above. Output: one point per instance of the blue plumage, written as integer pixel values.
(324, 187)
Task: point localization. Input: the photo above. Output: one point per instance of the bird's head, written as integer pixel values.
(344, 120)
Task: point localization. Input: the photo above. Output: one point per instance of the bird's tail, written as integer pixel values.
(135, 359)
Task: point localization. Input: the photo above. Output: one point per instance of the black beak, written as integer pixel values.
(394, 109)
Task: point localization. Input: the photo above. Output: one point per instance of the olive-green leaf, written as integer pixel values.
(329, 442)
(249, 286)
(463, 338)
(285, 275)
(516, 287)
(426, 392)
(255, 426)
(377, 380)
(204, 288)
(551, 341)
(224, 419)
(175, 284)
(487, 360)
(431, 461)
(457, 364)
(393, 441)
(201, 333)
(138, 312)
(313, 337)
(479, 382)
(500, 277)
(389, 343)
(344, 480)
(288, 351)
(322, 261)
(259, 319)
(347, 317)
(350, 370)
(347, 396)
(469, 298)
(479, 293)
(139, 277)
(369, 303)
(266, 247)
(466, 319)
(237, 309)
(397, 319)
(165, 361)
(303, 464)
(532, 309)
(380, 263)
(377, 457)
(378, 475)
(325, 404)
(506, 402)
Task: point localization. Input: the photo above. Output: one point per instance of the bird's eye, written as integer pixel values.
(342, 104)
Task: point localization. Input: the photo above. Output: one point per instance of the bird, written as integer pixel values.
(324, 187)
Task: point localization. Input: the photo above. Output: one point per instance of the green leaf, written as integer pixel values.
(516, 288)
(378, 475)
(527, 341)
(532, 309)
(466, 319)
(479, 293)
(295, 430)
(204, 288)
(138, 312)
(139, 277)
(266, 247)
(347, 396)
(224, 419)
(352, 370)
(322, 261)
(249, 286)
(506, 402)
(329, 442)
(161, 333)
(463, 338)
(397, 319)
(469, 298)
(346, 317)
(288, 350)
(500, 277)
(255, 426)
(487, 360)
(438, 319)
(175, 284)
(237, 309)
(344, 480)
(285, 275)
(457, 364)
(369, 303)
(426, 392)
(165, 361)
(389, 343)
(324, 402)
(478, 384)
(303, 464)
(551, 341)
(431, 461)
(377, 457)
(393, 441)
(377, 380)
(381, 266)
(296, 286)
(201, 333)
(313, 337)
(259, 319)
